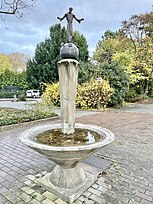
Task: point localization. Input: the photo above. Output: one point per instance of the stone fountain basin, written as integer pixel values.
(66, 156)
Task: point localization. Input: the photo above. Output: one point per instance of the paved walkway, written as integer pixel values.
(29, 105)
(24, 105)
(128, 180)
(141, 108)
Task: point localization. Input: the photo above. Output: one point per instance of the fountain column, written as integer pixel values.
(68, 75)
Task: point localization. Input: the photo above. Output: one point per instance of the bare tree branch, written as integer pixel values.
(15, 7)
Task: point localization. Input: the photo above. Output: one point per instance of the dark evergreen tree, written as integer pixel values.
(80, 41)
(43, 67)
(38, 68)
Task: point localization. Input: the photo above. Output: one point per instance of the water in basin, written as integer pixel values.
(55, 137)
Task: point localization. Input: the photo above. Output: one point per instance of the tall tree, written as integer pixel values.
(111, 60)
(19, 61)
(5, 63)
(139, 30)
(10, 78)
(38, 68)
(81, 43)
(43, 67)
(137, 27)
(110, 34)
(110, 43)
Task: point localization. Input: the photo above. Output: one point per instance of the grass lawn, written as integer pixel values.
(10, 116)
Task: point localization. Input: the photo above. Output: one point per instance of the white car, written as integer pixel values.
(33, 94)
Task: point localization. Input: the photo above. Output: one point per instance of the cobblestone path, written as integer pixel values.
(131, 176)
(128, 180)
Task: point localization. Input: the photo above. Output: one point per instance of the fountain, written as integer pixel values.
(67, 143)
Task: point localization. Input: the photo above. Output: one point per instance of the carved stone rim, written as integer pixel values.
(28, 136)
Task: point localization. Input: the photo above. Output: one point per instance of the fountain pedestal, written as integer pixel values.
(68, 184)
(68, 180)
(68, 75)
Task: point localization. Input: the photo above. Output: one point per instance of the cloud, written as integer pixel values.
(23, 34)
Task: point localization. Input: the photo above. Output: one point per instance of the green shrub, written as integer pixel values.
(5, 94)
(118, 80)
(150, 93)
(10, 78)
(22, 97)
(131, 96)
(10, 94)
(142, 98)
(10, 116)
(42, 108)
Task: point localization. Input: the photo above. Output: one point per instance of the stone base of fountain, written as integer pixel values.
(77, 181)
(67, 180)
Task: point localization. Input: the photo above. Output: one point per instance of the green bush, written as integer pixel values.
(10, 78)
(142, 98)
(10, 94)
(42, 108)
(131, 96)
(22, 97)
(5, 94)
(90, 95)
(118, 80)
(150, 94)
(10, 116)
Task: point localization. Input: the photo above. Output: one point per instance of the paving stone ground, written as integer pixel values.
(128, 180)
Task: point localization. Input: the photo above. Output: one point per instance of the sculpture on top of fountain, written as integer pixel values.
(69, 50)
(69, 17)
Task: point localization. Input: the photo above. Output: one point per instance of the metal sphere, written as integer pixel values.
(69, 51)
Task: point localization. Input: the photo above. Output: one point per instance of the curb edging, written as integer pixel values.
(30, 123)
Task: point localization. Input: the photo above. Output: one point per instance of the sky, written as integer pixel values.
(23, 34)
